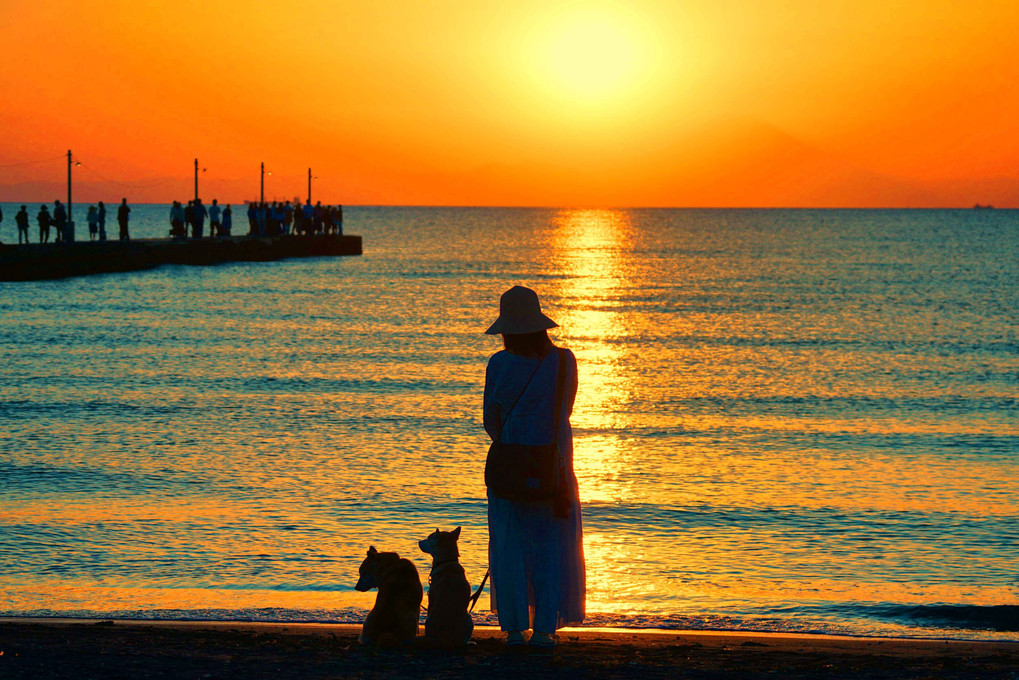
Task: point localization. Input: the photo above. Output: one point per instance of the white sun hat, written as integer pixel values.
(519, 313)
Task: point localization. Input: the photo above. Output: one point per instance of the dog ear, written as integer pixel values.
(456, 533)
(372, 551)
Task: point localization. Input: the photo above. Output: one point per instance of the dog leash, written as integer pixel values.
(474, 598)
(476, 595)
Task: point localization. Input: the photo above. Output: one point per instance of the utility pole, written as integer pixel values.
(261, 189)
(69, 232)
(309, 185)
(196, 180)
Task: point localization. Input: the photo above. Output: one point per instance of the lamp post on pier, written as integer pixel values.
(309, 184)
(196, 180)
(68, 185)
(68, 234)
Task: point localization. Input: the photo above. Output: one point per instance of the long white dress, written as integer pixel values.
(537, 559)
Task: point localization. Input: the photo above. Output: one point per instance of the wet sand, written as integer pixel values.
(61, 648)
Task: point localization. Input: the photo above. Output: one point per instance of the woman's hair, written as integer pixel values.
(527, 344)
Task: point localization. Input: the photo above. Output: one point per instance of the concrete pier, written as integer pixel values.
(41, 261)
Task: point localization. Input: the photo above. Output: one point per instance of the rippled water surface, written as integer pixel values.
(787, 420)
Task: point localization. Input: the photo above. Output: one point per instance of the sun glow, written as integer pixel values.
(593, 56)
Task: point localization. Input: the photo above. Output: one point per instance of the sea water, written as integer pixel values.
(788, 420)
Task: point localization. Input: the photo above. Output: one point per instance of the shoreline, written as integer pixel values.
(40, 647)
(482, 630)
(485, 629)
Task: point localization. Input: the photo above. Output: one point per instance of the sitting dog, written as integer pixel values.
(394, 618)
(449, 622)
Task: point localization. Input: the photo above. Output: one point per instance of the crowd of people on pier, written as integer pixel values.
(192, 218)
(58, 224)
(271, 219)
(264, 219)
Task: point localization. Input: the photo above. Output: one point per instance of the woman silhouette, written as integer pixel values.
(535, 547)
(93, 223)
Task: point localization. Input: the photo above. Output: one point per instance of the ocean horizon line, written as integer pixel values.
(979, 207)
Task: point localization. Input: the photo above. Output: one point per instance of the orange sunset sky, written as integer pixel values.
(910, 103)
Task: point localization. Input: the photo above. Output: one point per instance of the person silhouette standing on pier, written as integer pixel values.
(215, 225)
(59, 220)
(198, 214)
(288, 217)
(177, 228)
(44, 224)
(93, 223)
(319, 217)
(274, 219)
(308, 217)
(261, 217)
(228, 222)
(102, 222)
(21, 219)
(123, 216)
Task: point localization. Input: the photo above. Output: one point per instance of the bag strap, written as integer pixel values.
(560, 389)
(502, 425)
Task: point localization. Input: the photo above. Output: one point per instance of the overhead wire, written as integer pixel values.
(131, 185)
(24, 163)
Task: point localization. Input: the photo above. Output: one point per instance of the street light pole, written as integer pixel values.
(196, 180)
(68, 234)
(68, 185)
(309, 185)
(261, 190)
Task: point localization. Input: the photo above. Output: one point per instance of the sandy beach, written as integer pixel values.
(52, 648)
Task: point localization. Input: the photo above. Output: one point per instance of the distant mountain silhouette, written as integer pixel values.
(735, 162)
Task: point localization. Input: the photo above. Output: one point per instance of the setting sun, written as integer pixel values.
(591, 56)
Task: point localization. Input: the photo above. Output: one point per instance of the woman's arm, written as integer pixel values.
(491, 416)
(572, 381)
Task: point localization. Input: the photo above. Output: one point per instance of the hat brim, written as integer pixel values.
(511, 327)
